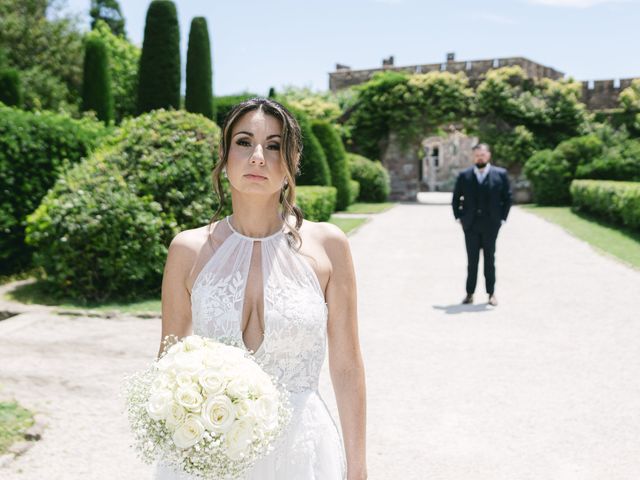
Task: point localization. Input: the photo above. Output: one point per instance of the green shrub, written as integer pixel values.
(34, 147)
(199, 96)
(620, 161)
(169, 155)
(354, 190)
(336, 158)
(317, 203)
(159, 73)
(10, 89)
(550, 177)
(164, 159)
(372, 177)
(95, 238)
(618, 202)
(96, 82)
(580, 150)
(222, 105)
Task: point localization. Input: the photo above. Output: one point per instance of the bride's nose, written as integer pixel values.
(258, 155)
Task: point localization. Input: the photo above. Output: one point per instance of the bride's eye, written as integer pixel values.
(243, 142)
(274, 146)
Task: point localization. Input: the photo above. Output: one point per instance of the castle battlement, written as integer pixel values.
(597, 95)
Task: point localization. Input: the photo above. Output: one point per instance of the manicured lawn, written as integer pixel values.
(34, 293)
(613, 240)
(14, 420)
(347, 224)
(359, 207)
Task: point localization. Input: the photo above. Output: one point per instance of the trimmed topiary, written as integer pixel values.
(317, 203)
(336, 158)
(96, 82)
(372, 177)
(159, 72)
(164, 159)
(314, 169)
(95, 238)
(199, 96)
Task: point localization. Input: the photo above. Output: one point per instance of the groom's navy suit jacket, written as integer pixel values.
(489, 201)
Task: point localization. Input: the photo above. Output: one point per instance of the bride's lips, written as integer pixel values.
(256, 177)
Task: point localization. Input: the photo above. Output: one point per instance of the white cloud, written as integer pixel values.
(492, 17)
(574, 3)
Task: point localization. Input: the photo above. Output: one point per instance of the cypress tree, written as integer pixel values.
(199, 95)
(272, 93)
(96, 82)
(10, 88)
(314, 169)
(159, 72)
(336, 158)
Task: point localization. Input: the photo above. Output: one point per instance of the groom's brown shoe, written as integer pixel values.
(493, 300)
(468, 299)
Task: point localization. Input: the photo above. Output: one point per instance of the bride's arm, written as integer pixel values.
(176, 299)
(345, 360)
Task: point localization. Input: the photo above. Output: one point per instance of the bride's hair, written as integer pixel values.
(290, 153)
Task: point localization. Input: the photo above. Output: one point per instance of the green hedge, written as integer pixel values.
(372, 177)
(618, 202)
(314, 168)
(34, 147)
(317, 203)
(161, 163)
(222, 105)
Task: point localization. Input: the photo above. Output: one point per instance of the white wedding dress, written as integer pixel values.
(293, 348)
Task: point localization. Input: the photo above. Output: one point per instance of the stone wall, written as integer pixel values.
(474, 69)
(596, 95)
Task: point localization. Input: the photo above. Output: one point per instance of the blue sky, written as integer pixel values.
(258, 44)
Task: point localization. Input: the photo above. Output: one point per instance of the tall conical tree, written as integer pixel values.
(336, 158)
(159, 72)
(109, 11)
(96, 81)
(199, 95)
(10, 87)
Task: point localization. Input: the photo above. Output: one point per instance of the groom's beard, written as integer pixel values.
(481, 165)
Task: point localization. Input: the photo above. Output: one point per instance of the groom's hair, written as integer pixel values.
(481, 145)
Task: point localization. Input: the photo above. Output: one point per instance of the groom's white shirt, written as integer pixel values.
(481, 174)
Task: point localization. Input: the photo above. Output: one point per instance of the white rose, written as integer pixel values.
(244, 407)
(238, 388)
(189, 432)
(213, 382)
(239, 437)
(266, 411)
(189, 398)
(193, 342)
(189, 361)
(158, 404)
(184, 379)
(161, 382)
(176, 414)
(218, 414)
(212, 359)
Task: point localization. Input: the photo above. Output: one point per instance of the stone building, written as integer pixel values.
(434, 164)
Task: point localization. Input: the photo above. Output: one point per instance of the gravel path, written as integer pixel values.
(544, 386)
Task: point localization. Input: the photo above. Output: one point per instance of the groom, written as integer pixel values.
(486, 199)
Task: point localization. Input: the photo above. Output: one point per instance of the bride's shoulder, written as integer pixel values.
(193, 239)
(333, 240)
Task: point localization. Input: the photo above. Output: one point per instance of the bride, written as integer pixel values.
(281, 287)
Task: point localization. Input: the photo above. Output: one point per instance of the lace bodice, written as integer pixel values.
(295, 311)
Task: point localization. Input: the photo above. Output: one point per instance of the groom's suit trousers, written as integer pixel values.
(481, 235)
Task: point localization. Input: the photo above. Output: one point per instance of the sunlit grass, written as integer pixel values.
(14, 421)
(614, 240)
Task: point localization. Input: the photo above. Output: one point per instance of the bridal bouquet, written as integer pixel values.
(207, 408)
